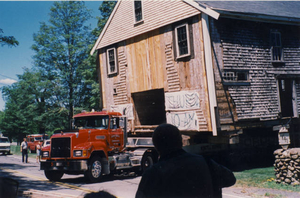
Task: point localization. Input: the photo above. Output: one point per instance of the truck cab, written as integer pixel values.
(34, 139)
(97, 145)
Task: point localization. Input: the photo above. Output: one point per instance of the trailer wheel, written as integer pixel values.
(94, 171)
(147, 162)
(54, 175)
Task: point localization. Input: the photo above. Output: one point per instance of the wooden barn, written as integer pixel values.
(226, 73)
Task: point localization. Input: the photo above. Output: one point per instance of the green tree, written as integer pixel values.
(92, 91)
(31, 106)
(16, 119)
(64, 78)
(7, 40)
(105, 9)
(61, 48)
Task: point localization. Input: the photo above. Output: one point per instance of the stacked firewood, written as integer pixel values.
(287, 166)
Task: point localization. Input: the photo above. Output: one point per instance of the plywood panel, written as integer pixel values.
(146, 68)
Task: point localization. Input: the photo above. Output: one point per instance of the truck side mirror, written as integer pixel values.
(123, 125)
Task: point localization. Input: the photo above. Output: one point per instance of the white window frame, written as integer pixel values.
(134, 13)
(232, 76)
(109, 72)
(186, 25)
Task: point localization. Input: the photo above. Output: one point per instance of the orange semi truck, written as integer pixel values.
(34, 139)
(97, 145)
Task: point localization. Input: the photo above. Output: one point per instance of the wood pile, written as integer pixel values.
(287, 166)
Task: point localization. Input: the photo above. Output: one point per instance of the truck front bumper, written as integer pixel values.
(74, 165)
(4, 149)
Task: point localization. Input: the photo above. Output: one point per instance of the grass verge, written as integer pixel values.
(15, 150)
(261, 178)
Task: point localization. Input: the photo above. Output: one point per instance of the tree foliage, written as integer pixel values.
(31, 106)
(61, 50)
(105, 10)
(7, 40)
(64, 77)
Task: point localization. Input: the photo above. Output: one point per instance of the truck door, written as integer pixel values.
(116, 134)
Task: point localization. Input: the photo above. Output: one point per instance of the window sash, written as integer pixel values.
(276, 46)
(235, 76)
(111, 61)
(182, 41)
(138, 11)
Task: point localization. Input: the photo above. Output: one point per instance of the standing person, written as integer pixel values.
(38, 152)
(178, 173)
(24, 147)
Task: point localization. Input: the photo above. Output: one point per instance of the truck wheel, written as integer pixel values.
(94, 171)
(147, 162)
(54, 175)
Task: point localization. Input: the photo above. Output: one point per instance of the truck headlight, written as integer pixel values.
(78, 153)
(45, 154)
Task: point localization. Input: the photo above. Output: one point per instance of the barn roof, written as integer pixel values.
(120, 26)
(286, 10)
(274, 11)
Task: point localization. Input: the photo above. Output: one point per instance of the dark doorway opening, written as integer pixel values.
(286, 97)
(150, 107)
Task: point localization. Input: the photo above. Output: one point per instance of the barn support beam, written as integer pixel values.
(210, 73)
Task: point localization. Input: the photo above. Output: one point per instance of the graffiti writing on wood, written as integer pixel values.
(126, 110)
(184, 100)
(183, 120)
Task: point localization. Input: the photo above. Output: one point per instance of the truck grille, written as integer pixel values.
(60, 147)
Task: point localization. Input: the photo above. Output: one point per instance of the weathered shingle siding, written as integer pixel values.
(156, 14)
(245, 45)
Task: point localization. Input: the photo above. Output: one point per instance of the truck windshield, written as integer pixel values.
(38, 138)
(4, 140)
(92, 122)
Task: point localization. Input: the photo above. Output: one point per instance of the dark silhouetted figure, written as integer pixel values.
(100, 194)
(8, 187)
(181, 174)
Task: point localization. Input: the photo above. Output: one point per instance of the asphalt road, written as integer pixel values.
(32, 183)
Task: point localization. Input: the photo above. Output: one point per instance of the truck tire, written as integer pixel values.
(147, 162)
(94, 171)
(53, 175)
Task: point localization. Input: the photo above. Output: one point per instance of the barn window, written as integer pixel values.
(182, 41)
(138, 14)
(276, 47)
(235, 77)
(111, 61)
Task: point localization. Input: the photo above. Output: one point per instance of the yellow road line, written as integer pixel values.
(56, 194)
(233, 195)
(45, 180)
